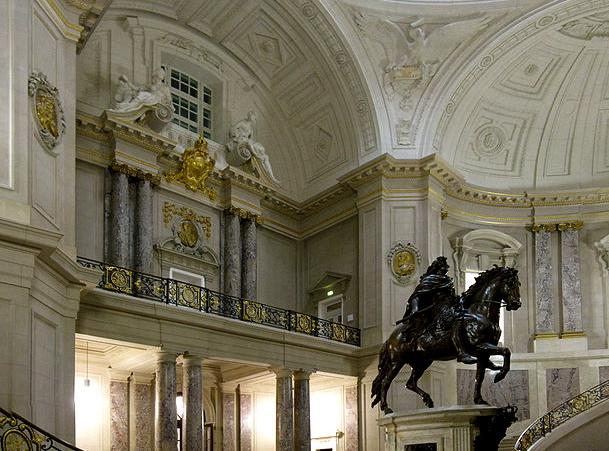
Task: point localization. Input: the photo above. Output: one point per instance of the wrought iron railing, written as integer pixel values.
(17, 433)
(173, 292)
(559, 415)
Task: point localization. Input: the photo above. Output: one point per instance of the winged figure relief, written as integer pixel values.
(414, 47)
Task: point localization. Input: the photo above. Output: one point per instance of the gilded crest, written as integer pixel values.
(403, 259)
(196, 165)
(47, 109)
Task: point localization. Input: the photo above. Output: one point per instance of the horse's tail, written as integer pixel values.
(384, 365)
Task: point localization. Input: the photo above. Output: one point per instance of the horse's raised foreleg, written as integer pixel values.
(418, 368)
(492, 349)
(386, 383)
(480, 370)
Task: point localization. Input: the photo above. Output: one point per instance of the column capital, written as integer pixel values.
(192, 359)
(166, 356)
(303, 374)
(282, 372)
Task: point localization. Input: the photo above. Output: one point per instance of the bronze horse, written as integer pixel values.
(419, 343)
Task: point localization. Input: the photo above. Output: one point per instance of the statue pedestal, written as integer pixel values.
(439, 429)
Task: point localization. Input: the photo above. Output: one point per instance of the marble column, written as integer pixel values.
(544, 302)
(119, 220)
(165, 424)
(232, 254)
(248, 259)
(192, 390)
(570, 278)
(284, 424)
(302, 411)
(143, 227)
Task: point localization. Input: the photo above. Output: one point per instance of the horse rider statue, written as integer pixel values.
(436, 285)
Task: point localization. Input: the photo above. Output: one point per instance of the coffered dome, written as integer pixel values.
(530, 111)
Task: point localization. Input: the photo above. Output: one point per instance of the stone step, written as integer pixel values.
(508, 443)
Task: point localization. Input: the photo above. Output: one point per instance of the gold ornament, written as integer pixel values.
(188, 215)
(403, 259)
(47, 109)
(245, 214)
(196, 166)
(188, 234)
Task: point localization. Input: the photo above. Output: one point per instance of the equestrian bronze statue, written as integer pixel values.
(439, 325)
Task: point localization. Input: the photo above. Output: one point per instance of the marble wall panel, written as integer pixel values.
(603, 374)
(277, 261)
(571, 285)
(561, 384)
(144, 416)
(351, 429)
(119, 416)
(513, 390)
(245, 401)
(544, 315)
(228, 436)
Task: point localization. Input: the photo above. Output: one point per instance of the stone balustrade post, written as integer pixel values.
(192, 391)
(248, 259)
(165, 424)
(284, 413)
(302, 411)
(119, 220)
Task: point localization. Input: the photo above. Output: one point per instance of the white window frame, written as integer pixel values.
(174, 271)
(331, 300)
(203, 102)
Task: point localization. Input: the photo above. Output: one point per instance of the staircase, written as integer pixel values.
(508, 444)
(17, 433)
(561, 414)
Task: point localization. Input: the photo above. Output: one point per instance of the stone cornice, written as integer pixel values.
(450, 184)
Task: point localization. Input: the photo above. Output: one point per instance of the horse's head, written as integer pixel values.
(510, 289)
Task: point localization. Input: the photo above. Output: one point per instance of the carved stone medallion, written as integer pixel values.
(403, 259)
(47, 110)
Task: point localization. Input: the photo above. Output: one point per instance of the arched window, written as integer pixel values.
(478, 251)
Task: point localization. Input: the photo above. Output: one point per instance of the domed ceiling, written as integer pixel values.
(533, 113)
(511, 94)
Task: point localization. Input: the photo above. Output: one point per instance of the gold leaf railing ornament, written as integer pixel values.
(196, 165)
(182, 294)
(561, 414)
(17, 433)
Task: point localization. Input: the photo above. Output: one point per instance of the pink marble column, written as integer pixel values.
(165, 416)
(302, 411)
(192, 390)
(284, 424)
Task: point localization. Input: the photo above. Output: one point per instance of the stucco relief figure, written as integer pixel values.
(149, 105)
(129, 97)
(438, 325)
(242, 147)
